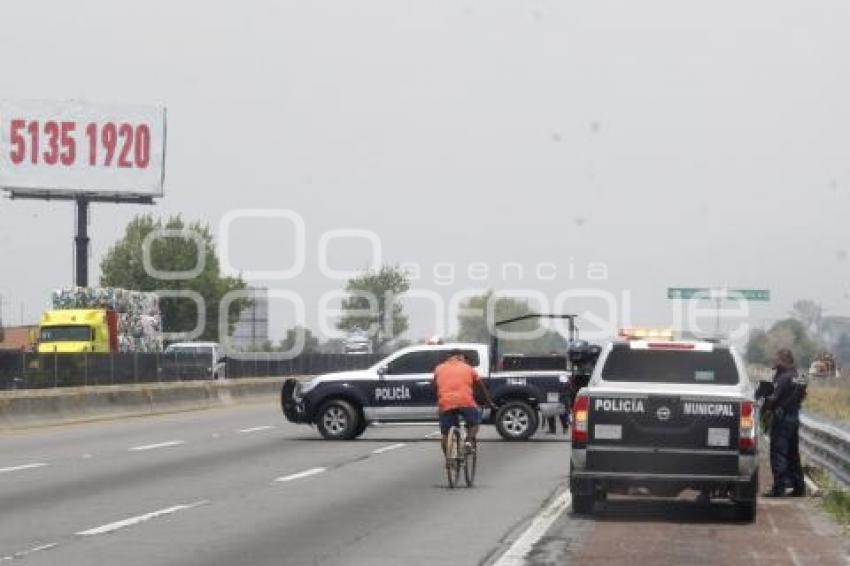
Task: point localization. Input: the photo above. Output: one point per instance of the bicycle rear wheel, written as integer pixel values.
(453, 457)
(470, 461)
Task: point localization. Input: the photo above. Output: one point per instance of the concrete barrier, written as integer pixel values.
(42, 407)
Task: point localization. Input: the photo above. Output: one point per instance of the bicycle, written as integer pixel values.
(459, 455)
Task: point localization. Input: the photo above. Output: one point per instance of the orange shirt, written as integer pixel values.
(454, 381)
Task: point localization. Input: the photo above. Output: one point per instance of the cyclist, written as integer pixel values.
(454, 382)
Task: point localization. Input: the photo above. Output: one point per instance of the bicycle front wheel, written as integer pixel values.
(454, 459)
(470, 459)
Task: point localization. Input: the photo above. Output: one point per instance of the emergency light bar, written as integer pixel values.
(642, 333)
(671, 345)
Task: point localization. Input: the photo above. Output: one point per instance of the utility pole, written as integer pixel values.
(81, 242)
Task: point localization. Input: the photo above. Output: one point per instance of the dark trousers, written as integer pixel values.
(785, 453)
(551, 422)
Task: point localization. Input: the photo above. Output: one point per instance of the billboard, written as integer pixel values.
(68, 149)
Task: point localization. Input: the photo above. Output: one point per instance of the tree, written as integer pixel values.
(373, 304)
(123, 267)
(810, 314)
(788, 333)
(475, 325)
(757, 348)
(309, 342)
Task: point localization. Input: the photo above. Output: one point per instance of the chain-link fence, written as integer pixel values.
(39, 371)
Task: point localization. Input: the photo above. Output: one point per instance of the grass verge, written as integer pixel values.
(834, 500)
(831, 401)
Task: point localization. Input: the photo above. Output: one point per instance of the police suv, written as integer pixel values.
(661, 416)
(400, 389)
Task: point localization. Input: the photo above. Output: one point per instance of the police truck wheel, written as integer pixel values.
(338, 420)
(583, 504)
(516, 420)
(361, 428)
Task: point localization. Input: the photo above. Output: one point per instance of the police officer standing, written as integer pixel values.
(784, 405)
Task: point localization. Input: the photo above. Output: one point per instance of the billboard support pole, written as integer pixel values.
(81, 242)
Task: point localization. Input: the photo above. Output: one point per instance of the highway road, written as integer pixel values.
(240, 486)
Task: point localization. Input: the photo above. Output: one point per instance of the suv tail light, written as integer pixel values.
(580, 418)
(747, 428)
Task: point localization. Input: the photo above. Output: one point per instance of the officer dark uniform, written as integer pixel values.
(784, 404)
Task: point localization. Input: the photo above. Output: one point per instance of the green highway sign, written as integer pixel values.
(718, 293)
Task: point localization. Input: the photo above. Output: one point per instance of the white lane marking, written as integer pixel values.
(25, 553)
(388, 448)
(299, 475)
(794, 558)
(435, 434)
(111, 527)
(773, 528)
(515, 555)
(255, 429)
(23, 467)
(155, 446)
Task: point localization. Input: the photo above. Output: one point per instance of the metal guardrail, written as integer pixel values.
(826, 446)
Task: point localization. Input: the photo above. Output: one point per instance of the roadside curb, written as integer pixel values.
(535, 529)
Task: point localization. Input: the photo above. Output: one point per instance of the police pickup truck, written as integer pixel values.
(662, 416)
(399, 389)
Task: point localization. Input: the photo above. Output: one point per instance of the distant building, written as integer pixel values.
(17, 337)
(252, 328)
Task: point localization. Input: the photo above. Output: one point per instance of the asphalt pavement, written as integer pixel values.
(240, 486)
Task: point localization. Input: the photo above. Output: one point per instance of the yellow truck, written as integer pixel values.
(78, 330)
(100, 319)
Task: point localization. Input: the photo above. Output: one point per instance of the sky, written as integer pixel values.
(673, 143)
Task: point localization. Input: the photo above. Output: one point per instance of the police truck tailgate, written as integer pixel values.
(663, 434)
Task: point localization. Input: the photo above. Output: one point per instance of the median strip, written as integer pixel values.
(155, 446)
(124, 523)
(23, 467)
(299, 475)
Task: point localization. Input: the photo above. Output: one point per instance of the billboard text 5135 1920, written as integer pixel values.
(67, 149)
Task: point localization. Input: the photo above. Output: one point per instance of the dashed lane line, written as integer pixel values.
(299, 475)
(131, 521)
(255, 429)
(383, 449)
(516, 554)
(22, 467)
(168, 444)
(25, 553)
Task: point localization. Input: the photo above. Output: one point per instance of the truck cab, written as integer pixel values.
(78, 330)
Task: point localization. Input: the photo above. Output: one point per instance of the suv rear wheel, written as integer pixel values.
(337, 419)
(516, 420)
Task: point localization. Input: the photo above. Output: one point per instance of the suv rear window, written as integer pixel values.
(670, 366)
